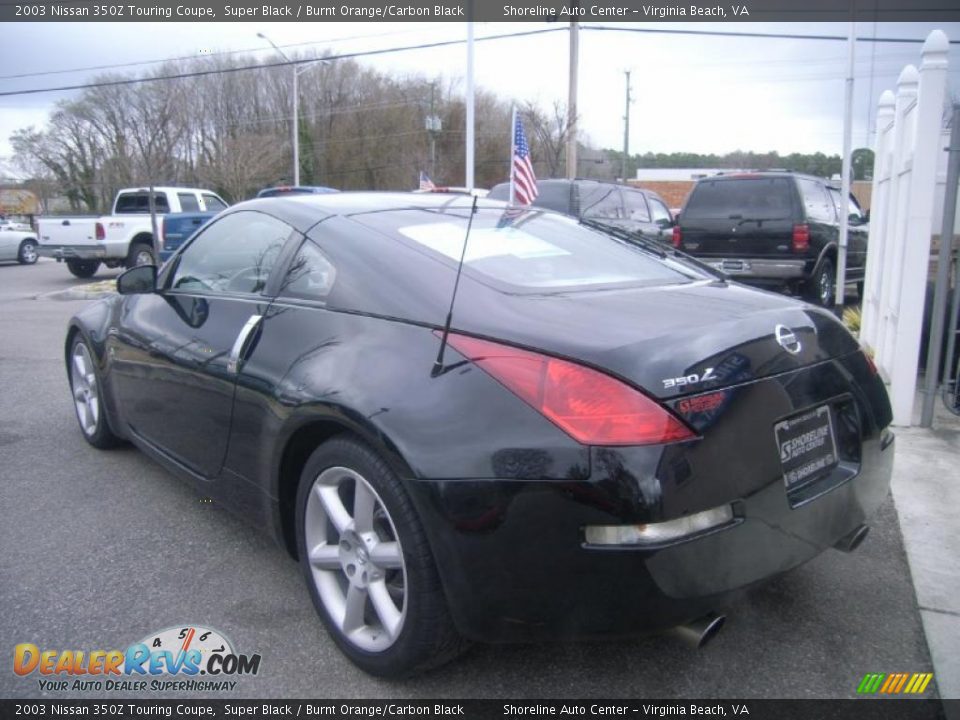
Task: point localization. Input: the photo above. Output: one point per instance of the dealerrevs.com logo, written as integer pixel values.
(189, 658)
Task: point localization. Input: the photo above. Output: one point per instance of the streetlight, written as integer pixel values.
(297, 69)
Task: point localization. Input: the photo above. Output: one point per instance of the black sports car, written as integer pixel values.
(611, 438)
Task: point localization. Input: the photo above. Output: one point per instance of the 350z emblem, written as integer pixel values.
(691, 379)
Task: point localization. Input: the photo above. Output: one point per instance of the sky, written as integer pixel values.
(690, 93)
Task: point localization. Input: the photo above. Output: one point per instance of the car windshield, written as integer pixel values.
(761, 198)
(528, 250)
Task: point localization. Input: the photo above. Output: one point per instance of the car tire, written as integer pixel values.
(141, 254)
(83, 268)
(87, 390)
(821, 288)
(27, 254)
(370, 572)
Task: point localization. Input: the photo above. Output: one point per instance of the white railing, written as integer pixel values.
(902, 220)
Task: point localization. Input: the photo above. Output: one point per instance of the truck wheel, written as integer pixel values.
(83, 268)
(141, 254)
(822, 286)
(28, 252)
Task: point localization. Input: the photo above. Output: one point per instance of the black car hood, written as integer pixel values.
(666, 339)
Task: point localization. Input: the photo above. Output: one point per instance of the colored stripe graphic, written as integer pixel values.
(894, 683)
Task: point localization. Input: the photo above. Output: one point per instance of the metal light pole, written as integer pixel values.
(295, 125)
(295, 132)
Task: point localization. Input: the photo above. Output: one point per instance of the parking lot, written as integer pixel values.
(103, 548)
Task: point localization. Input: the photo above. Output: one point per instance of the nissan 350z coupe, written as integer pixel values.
(610, 439)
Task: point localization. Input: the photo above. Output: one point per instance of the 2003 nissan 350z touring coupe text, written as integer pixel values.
(605, 437)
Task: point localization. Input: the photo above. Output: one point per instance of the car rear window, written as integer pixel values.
(761, 198)
(528, 250)
(550, 195)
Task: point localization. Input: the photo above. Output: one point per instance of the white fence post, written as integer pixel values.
(879, 219)
(901, 222)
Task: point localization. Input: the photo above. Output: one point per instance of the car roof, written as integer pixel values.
(305, 211)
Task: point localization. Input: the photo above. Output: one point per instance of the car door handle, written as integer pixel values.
(240, 344)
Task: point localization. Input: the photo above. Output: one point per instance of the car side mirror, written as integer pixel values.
(139, 280)
(665, 223)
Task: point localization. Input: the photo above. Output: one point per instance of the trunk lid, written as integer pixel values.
(673, 340)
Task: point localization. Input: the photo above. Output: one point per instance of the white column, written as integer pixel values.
(919, 224)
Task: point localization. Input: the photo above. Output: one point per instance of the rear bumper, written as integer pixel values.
(516, 567)
(760, 268)
(513, 556)
(73, 252)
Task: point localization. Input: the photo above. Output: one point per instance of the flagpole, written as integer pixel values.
(469, 159)
(513, 135)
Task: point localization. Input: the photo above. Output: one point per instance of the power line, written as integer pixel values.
(775, 36)
(137, 63)
(287, 63)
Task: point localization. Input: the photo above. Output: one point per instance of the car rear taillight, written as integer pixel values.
(801, 238)
(591, 407)
(677, 236)
(871, 363)
(100, 233)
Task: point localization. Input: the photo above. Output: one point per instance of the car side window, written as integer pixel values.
(233, 255)
(139, 202)
(213, 203)
(311, 274)
(818, 206)
(635, 204)
(660, 212)
(602, 201)
(853, 210)
(188, 202)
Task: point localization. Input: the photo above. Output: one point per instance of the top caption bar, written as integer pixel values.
(604, 11)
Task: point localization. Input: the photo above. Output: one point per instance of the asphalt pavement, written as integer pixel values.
(100, 549)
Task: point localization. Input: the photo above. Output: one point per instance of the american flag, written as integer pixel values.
(425, 182)
(524, 179)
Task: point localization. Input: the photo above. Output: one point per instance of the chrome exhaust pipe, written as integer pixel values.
(851, 541)
(698, 633)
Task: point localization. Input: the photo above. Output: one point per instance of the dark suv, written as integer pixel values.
(776, 229)
(634, 210)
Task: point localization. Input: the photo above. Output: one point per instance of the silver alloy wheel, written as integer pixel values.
(143, 257)
(28, 253)
(356, 559)
(826, 288)
(86, 391)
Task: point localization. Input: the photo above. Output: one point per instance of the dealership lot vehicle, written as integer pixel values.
(295, 190)
(774, 229)
(124, 238)
(18, 243)
(642, 212)
(608, 441)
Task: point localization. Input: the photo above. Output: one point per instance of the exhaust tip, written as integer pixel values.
(851, 541)
(698, 633)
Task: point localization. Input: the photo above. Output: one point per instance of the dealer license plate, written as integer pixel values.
(807, 445)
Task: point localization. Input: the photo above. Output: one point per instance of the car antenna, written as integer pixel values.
(438, 363)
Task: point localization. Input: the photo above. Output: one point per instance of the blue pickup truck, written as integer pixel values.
(176, 229)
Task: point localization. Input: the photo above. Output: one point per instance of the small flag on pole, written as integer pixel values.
(522, 177)
(425, 182)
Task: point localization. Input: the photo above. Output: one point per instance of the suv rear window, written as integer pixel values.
(761, 198)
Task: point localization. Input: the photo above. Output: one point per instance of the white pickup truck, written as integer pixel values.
(124, 237)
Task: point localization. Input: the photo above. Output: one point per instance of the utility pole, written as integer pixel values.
(469, 149)
(626, 132)
(572, 98)
(433, 127)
